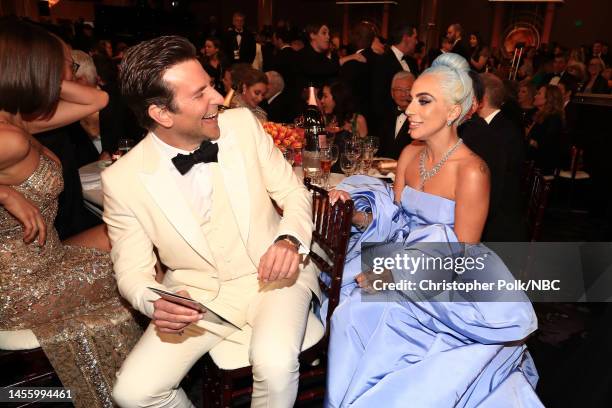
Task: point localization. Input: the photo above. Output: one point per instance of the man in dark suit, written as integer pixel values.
(397, 58)
(498, 141)
(276, 103)
(455, 36)
(559, 66)
(238, 42)
(357, 74)
(393, 132)
(285, 62)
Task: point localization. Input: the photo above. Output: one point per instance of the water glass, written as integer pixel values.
(347, 165)
(311, 164)
(289, 155)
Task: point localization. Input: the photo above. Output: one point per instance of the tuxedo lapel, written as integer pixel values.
(163, 189)
(232, 165)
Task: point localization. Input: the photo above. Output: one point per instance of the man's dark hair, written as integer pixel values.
(395, 37)
(141, 74)
(313, 28)
(284, 35)
(458, 28)
(570, 83)
(362, 36)
(494, 89)
(32, 65)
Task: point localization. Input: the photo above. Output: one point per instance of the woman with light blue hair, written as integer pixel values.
(417, 347)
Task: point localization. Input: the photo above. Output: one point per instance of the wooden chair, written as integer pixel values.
(539, 193)
(573, 174)
(227, 388)
(527, 173)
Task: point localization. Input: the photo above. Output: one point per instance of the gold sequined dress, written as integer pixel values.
(66, 295)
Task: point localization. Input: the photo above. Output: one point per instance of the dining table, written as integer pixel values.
(92, 183)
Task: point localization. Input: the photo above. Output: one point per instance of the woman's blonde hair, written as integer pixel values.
(552, 106)
(455, 81)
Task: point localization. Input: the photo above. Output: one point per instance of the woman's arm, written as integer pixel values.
(472, 200)
(362, 125)
(478, 65)
(352, 57)
(25, 212)
(76, 102)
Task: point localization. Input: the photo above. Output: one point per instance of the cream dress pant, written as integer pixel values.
(151, 374)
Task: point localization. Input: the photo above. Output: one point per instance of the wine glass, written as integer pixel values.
(352, 149)
(347, 165)
(367, 156)
(328, 157)
(373, 143)
(289, 155)
(125, 145)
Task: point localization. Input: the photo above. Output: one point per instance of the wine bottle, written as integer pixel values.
(314, 127)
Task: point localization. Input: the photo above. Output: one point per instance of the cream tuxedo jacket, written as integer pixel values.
(144, 209)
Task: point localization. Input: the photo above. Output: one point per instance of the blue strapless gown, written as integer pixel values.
(424, 354)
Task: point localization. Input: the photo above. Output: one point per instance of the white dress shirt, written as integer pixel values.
(400, 55)
(196, 185)
(489, 118)
(399, 122)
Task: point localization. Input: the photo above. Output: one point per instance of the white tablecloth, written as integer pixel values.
(92, 185)
(91, 182)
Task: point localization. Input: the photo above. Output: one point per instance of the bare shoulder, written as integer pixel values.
(409, 153)
(472, 168)
(16, 145)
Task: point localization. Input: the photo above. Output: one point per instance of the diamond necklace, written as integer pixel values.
(426, 175)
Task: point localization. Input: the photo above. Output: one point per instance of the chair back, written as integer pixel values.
(332, 226)
(537, 203)
(527, 174)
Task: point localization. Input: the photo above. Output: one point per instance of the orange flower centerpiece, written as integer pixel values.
(285, 137)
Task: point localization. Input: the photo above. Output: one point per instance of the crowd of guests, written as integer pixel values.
(426, 108)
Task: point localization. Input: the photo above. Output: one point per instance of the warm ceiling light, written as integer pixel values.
(53, 2)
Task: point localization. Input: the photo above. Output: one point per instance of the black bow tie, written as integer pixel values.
(398, 112)
(206, 153)
(405, 57)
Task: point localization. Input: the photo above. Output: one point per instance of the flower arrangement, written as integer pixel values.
(285, 136)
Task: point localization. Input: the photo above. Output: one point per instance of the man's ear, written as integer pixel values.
(161, 115)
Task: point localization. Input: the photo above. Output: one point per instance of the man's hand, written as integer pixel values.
(172, 318)
(280, 261)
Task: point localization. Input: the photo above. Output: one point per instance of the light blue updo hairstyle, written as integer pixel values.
(454, 80)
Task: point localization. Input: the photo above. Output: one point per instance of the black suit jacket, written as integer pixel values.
(462, 48)
(246, 49)
(286, 63)
(380, 87)
(391, 146)
(356, 75)
(316, 68)
(280, 110)
(500, 145)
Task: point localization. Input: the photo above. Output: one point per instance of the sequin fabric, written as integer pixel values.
(66, 295)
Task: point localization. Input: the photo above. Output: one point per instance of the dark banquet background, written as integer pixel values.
(527, 44)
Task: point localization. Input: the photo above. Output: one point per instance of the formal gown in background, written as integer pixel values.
(66, 295)
(417, 353)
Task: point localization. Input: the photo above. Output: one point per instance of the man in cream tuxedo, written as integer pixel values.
(198, 190)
